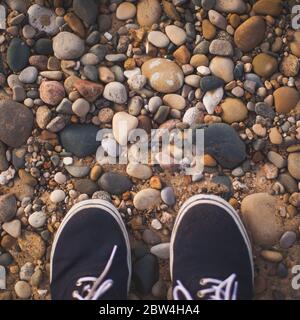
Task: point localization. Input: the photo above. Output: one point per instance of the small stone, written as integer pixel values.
(19, 93)
(174, 101)
(234, 110)
(60, 178)
(125, 11)
(3, 161)
(52, 92)
(123, 124)
(28, 75)
(285, 99)
(217, 19)
(158, 39)
(17, 55)
(23, 290)
(161, 114)
(233, 6)
(224, 145)
(259, 130)
(77, 171)
(89, 90)
(192, 116)
(290, 66)
(95, 173)
(80, 139)
(287, 239)
(139, 171)
(246, 36)
(81, 107)
(75, 24)
(13, 228)
(56, 124)
(36, 278)
(37, 219)
(270, 170)
(208, 29)
(16, 122)
(42, 19)
(8, 207)
(148, 12)
(68, 46)
(5, 260)
(156, 224)
(268, 7)
(277, 159)
(106, 75)
(222, 68)
(163, 75)
(137, 82)
(265, 110)
(43, 116)
(212, 98)
(43, 46)
(264, 65)
(210, 83)
(26, 271)
(271, 256)
(115, 92)
(86, 186)
(161, 251)
(259, 214)
(115, 183)
(288, 182)
(147, 199)
(208, 4)
(221, 48)
(57, 196)
(168, 196)
(135, 106)
(87, 10)
(176, 34)
(204, 71)
(293, 165)
(89, 59)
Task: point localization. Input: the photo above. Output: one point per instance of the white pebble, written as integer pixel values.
(60, 178)
(204, 71)
(68, 161)
(155, 224)
(57, 196)
(37, 219)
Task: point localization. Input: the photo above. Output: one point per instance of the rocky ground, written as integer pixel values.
(69, 68)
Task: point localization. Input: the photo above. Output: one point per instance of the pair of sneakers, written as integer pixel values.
(210, 253)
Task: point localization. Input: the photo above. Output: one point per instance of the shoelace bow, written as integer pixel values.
(99, 286)
(218, 290)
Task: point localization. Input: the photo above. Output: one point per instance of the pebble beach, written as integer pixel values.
(69, 68)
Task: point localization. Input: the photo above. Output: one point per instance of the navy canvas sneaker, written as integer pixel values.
(90, 257)
(210, 254)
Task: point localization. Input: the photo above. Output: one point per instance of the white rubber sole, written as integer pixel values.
(215, 200)
(98, 204)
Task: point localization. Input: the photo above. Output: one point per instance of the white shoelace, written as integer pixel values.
(219, 290)
(99, 286)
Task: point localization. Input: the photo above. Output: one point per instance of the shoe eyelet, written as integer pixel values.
(201, 282)
(200, 294)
